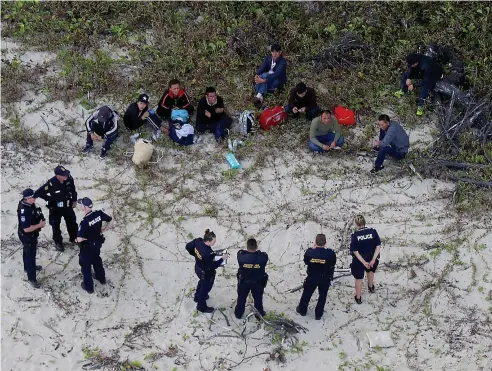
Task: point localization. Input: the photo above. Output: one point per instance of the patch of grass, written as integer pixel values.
(211, 211)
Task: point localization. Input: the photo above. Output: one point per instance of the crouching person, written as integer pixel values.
(90, 241)
(393, 141)
(302, 100)
(101, 124)
(325, 133)
(210, 115)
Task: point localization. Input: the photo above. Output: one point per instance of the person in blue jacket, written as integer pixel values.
(271, 75)
(393, 141)
(205, 267)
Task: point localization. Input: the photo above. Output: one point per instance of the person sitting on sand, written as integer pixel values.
(393, 141)
(138, 114)
(271, 75)
(325, 133)
(302, 100)
(364, 247)
(174, 98)
(210, 115)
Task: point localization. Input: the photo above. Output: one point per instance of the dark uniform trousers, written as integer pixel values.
(313, 282)
(244, 287)
(55, 217)
(29, 249)
(90, 256)
(205, 284)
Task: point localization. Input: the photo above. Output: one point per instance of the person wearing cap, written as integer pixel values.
(210, 115)
(271, 75)
(320, 263)
(138, 114)
(365, 246)
(422, 67)
(90, 239)
(31, 221)
(302, 100)
(103, 123)
(61, 196)
(174, 98)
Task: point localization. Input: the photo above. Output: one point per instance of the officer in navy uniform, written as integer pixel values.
(205, 266)
(61, 195)
(31, 220)
(251, 277)
(364, 247)
(320, 263)
(90, 239)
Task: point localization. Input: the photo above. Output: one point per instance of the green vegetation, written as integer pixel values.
(112, 50)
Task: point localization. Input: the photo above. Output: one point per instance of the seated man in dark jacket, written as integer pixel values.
(271, 75)
(174, 98)
(137, 114)
(210, 115)
(420, 67)
(302, 100)
(101, 124)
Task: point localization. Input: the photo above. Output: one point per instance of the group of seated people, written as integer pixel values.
(172, 115)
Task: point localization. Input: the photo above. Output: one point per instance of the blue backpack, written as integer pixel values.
(180, 115)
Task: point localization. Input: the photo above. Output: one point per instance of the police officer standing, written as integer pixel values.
(251, 277)
(90, 239)
(205, 267)
(61, 195)
(320, 263)
(364, 247)
(31, 220)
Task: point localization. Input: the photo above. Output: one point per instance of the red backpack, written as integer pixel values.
(272, 117)
(344, 115)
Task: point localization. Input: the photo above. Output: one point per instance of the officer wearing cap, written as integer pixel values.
(61, 197)
(102, 123)
(320, 263)
(90, 239)
(364, 247)
(251, 277)
(31, 220)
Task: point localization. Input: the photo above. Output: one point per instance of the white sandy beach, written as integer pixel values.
(439, 320)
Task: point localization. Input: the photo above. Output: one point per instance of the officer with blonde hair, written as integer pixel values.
(364, 247)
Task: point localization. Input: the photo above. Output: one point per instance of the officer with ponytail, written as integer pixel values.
(364, 247)
(205, 267)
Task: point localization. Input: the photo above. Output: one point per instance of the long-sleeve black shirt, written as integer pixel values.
(133, 117)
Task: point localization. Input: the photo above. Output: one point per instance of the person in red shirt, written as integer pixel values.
(174, 98)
